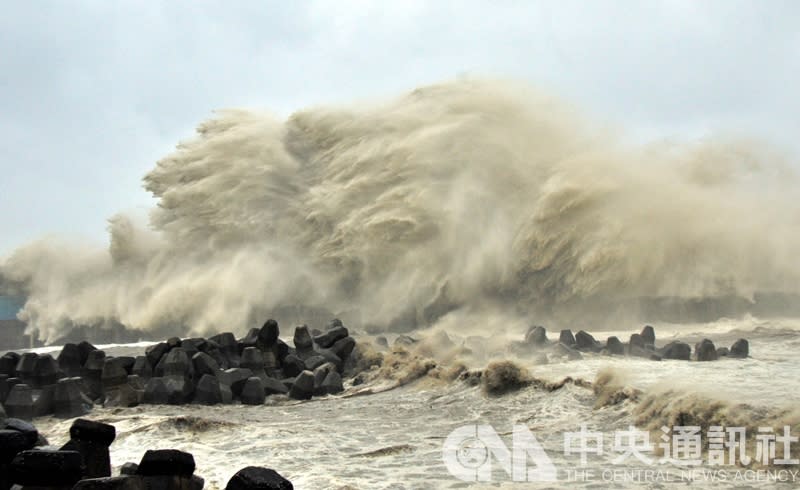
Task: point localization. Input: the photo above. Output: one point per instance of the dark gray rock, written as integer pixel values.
(293, 365)
(19, 403)
(69, 360)
(227, 344)
(566, 337)
(302, 339)
(155, 392)
(12, 442)
(740, 349)
(114, 373)
(705, 351)
(91, 439)
(43, 401)
(314, 362)
(255, 478)
(536, 336)
(38, 468)
(303, 386)
(92, 373)
(45, 371)
(343, 347)
(179, 389)
(123, 482)
(328, 338)
(175, 363)
(584, 341)
(252, 359)
(204, 364)
(268, 335)
(69, 400)
(142, 367)
(155, 352)
(253, 392)
(85, 347)
(128, 469)
(332, 384)
(4, 388)
(381, 341)
(123, 395)
(722, 352)
(636, 340)
(615, 346)
(27, 429)
(8, 364)
(648, 335)
(274, 386)
(235, 379)
(207, 391)
(676, 350)
(166, 462)
(404, 341)
(26, 367)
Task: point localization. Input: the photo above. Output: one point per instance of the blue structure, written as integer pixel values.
(10, 306)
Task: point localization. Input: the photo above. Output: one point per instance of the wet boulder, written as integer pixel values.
(69, 360)
(343, 347)
(32, 436)
(155, 392)
(293, 365)
(566, 337)
(585, 342)
(303, 342)
(676, 350)
(249, 340)
(12, 442)
(536, 336)
(19, 403)
(328, 338)
(175, 363)
(142, 367)
(204, 364)
(92, 373)
(274, 386)
(69, 400)
(314, 362)
(40, 468)
(252, 359)
(227, 346)
(85, 347)
(303, 386)
(157, 462)
(648, 335)
(122, 482)
(179, 389)
(26, 367)
(615, 347)
(268, 335)
(114, 373)
(740, 349)
(253, 392)
(256, 478)
(332, 384)
(705, 351)
(636, 340)
(207, 391)
(235, 378)
(723, 352)
(155, 352)
(128, 469)
(91, 440)
(8, 364)
(124, 395)
(192, 346)
(4, 388)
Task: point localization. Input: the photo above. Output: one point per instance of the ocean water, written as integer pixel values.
(389, 432)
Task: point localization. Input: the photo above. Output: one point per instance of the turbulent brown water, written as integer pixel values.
(479, 195)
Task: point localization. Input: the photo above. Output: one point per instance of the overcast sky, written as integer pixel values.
(92, 93)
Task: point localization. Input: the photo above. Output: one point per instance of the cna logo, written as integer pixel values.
(469, 450)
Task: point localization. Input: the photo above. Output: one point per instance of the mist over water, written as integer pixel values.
(479, 195)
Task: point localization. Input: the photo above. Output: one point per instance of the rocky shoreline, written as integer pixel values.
(27, 461)
(217, 370)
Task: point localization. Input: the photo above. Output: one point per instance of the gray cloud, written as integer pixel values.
(92, 93)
